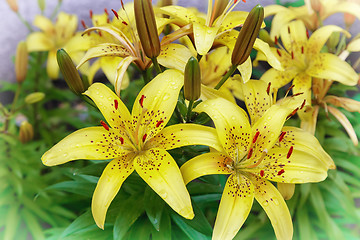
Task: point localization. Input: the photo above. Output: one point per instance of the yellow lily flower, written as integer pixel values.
(311, 18)
(255, 153)
(302, 60)
(62, 34)
(136, 141)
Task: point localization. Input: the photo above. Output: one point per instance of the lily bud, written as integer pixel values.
(34, 97)
(21, 62)
(146, 27)
(68, 70)
(247, 35)
(41, 4)
(192, 83)
(333, 40)
(349, 19)
(13, 5)
(265, 36)
(316, 5)
(163, 3)
(286, 189)
(218, 9)
(26, 132)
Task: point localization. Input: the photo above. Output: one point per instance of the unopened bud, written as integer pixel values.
(26, 132)
(333, 40)
(68, 70)
(41, 4)
(21, 62)
(13, 5)
(265, 36)
(286, 189)
(316, 5)
(164, 3)
(349, 19)
(247, 35)
(34, 97)
(146, 27)
(219, 7)
(192, 81)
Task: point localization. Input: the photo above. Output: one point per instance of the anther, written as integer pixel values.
(303, 104)
(288, 90)
(307, 33)
(250, 153)
(282, 136)
(276, 40)
(278, 52)
(268, 88)
(159, 122)
(116, 104)
(115, 13)
(297, 94)
(280, 172)
(292, 55)
(289, 29)
(289, 152)
(100, 34)
(125, 23)
(144, 137)
(121, 140)
(122, 5)
(141, 101)
(302, 49)
(83, 24)
(292, 113)
(104, 125)
(91, 14)
(261, 173)
(256, 136)
(106, 11)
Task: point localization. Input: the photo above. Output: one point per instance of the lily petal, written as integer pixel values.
(245, 70)
(264, 47)
(38, 41)
(205, 164)
(109, 185)
(211, 93)
(278, 78)
(235, 206)
(174, 56)
(180, 135)
(160, 171)
(329, 66)
(182, 16)
(52, 67)
(275, 207)
(105, 100)
(156, 102)
(78, 43)
(204, 37)
(121, 73)
(293, 32)
(108, 66)
(302, 84)
(232, 20)
(354, 46)
(280, 20)
(309, 118)
(93, 143)
(45, 25)
(66, 25)
(232, 125)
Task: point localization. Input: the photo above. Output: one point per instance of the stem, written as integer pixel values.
(28, 26)
(17, 93)
(156, 65)
(56, 10)
(225, 77)
(145, 76)
(188, 115)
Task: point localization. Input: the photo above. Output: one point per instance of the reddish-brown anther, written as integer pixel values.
(115, 13)
(268, 88)
(289, 152)
(116, 104)
(282, 136)
(278, 52)
(104, 125)
(261, 173)
(141, 101)
(159, 123)
(144, 137)
(121, 140)
(280, 172)
(250, 153)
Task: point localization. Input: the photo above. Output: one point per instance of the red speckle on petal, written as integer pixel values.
(141, 101)
(280, 172)
(256, 136)
(104, 125)
(115, 13)
(289, 152)
(282, 136)
(250, 153)
(261, 173)
(121, 140)
(144, 137)
(278, 52)
(159, 122)
(116, 104)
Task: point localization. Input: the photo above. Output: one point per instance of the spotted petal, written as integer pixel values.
(235, 206)
(182, 16)
(156, 102)
(232, 20)
(93, 143)
(275, 207)
(160, 171)
(105, 100)
(279, 78)
(232, 125)
(329, 66)
(180, 135)
(293, 32)
(302, 84)
(174, 56)
(205, 164)
(109, 185)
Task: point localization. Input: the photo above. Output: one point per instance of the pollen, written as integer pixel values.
(104, 125)
(290, 152)
(280, 172)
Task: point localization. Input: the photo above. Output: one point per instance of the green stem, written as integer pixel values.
(188, 115)
(225, 77)
(178, 114)
(17, 93)
(145, 76)
(28, 26)
(56, 10)
(156, 65)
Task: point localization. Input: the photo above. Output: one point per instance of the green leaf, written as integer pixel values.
(32, 224)
(199, 222)
(12, 223)
(165, 228)
(189, 231)
(85, 221)
(82, 188)
(154, 206)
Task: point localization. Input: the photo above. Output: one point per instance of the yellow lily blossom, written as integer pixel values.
(255, 153)
(62, 34)
(136, 141)
(302, 60)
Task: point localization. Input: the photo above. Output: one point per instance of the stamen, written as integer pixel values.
(216, 68)
(104, 125)
(159, 122)
(108, 20)
(297, 94)
(288, 90)
(303, 104)
(260, 159)
(289, 152)
(141, 101)
(292, 55)
(125, 23)
(282, 136)
(276, 40)
(122, 5)
(83, 24)
(302, 49)
(116, 104)
(307, 33)
(144, 137)
(261, 173)
(115, 13)
(91, 14)
(100, 34)
(288, 29)
(278, 52)
(106, 11)
(256, 136)
(250, 153)
(292, 113)
(121, 140)
(268, 88)
(280, 172)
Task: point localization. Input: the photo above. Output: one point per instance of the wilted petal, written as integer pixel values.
(160, 171)
(231, 123)
(329, 66)
(346, 103)
(180, 135)
(109, 185)
(205, 164)
(93, 143)
(235, 206)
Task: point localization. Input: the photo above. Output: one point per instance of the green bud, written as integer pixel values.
(265, 36)
(41, 4)
(333, 41)
(26, 132)
(247, 35)
(146, 27)
(21, 62)
(68, 70)
(34, 97)
(192, 83)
